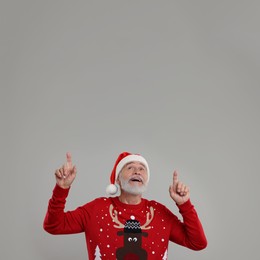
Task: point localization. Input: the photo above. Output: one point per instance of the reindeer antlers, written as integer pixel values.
(118, 224)
(148, 219)
(114, 216)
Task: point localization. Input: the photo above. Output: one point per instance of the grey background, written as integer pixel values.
(177, 81)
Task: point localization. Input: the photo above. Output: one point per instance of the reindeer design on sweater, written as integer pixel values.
(132, 232)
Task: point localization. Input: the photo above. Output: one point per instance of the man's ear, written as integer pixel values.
(117, 181)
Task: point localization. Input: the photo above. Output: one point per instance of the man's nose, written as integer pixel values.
(137, 171)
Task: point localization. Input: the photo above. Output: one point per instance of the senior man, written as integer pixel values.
(125, 226)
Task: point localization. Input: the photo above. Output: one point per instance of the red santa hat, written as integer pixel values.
(121, 161)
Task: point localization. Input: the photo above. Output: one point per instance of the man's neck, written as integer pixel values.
(131, 199)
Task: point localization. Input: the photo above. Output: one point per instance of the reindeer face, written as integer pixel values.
(132, 234)
(133, 240)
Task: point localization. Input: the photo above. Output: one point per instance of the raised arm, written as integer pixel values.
(189, 232)
(56, 220)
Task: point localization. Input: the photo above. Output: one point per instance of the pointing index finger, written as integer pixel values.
(175, 178)
(69, 160)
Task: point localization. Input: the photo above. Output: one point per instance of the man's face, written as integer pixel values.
(133, 178)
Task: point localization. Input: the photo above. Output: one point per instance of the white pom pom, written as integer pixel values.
(111, 189)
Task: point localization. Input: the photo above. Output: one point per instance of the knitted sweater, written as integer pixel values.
(115, 230)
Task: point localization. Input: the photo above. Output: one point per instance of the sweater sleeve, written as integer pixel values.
(57, 221)
(188, 233)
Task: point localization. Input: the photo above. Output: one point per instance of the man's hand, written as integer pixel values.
(179, 192)
(66, 174)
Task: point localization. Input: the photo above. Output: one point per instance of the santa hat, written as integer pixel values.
(121, 161)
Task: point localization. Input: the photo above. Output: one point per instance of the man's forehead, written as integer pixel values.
(135, 162)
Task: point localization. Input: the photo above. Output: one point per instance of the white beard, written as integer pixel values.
(132, 189)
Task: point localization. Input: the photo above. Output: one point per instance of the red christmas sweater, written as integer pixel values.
(115, 230)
